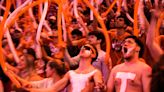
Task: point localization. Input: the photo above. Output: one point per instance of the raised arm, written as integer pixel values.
(71, 60)
(1, 86)
(12, 68)
(153, 46)
(56, 87)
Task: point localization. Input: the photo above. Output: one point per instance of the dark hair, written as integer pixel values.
(139, 43)
(76, 32)
(59, 66)
(31, 52)
(157, 82)
(74, 20)
(126, 20)
(86, 11)
(29, 60)
(99, 35)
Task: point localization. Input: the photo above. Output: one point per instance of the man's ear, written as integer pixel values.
(138, 49)
(93, 55)
(99, 40)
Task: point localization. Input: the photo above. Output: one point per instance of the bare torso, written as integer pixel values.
(129, 78)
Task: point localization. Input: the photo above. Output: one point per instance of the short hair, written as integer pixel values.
(139, 43)
(76, 32)
(31, 52)
(126, 20)
(98, 34)
(59, 66)
(74, 20)
(29, 59)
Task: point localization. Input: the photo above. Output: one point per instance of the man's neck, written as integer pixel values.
(84, 63)
(120, 31)
(131, 60)
(98, 47)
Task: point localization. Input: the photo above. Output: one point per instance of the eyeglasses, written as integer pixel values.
(86, 48)
(90, 48)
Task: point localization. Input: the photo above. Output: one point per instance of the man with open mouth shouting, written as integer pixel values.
(132, 75)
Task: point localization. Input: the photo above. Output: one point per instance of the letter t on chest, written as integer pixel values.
(124, 76)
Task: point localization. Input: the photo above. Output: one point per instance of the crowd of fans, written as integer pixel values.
(77, 64)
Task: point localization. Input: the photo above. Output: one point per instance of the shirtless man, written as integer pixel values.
(83, 78)
(132, 75)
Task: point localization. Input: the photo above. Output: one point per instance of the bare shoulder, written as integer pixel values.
(67, 75)
(145, 67)
(118, 67)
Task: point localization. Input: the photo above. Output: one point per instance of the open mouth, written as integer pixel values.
(125, 50)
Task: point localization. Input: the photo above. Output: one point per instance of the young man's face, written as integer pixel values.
(75, 37)
(87, 51)
(93, 40)
(120, 23)
(129, 48)
(112, 23)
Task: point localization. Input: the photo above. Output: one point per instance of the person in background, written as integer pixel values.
(117, 36)
(74, 48)
(96, 38)
(55, 70)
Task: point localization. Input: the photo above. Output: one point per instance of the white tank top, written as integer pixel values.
(79, 81)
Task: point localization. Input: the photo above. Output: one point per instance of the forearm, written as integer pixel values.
(151, 33)
(69, 59)
(56, 87)
(153, 46)
(155, 51)
(1, 86)
(12, 68)
(41, 90)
